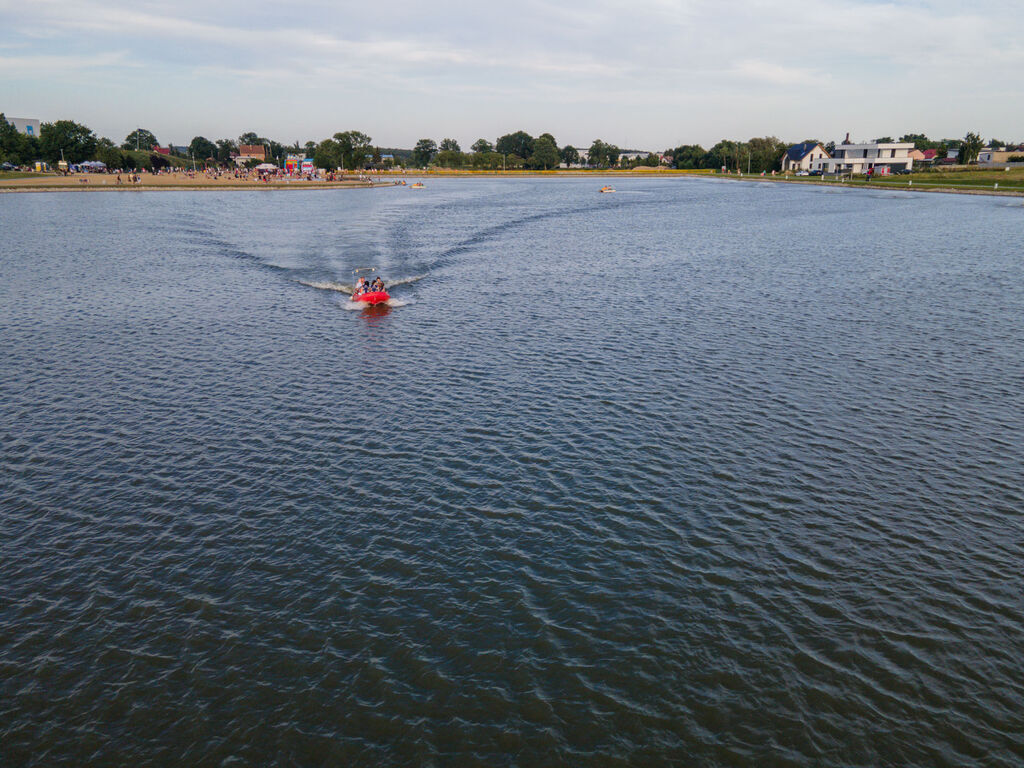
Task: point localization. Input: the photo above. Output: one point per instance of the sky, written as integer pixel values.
(642, 74)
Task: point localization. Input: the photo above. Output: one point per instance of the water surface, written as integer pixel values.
(695, 473)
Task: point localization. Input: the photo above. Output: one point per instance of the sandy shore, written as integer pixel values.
(148, 182)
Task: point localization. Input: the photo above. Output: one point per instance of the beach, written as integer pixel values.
(105, 182)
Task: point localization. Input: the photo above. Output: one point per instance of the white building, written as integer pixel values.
(25, 125)
(801, 157)
(861, 158)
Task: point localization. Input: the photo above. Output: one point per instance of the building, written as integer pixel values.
(25, 125)
(252, 152)
(999, 156)
(877, 157)
(800, 157)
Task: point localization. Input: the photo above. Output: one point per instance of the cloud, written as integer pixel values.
(776, 74)
(668, 60)
(52, 65)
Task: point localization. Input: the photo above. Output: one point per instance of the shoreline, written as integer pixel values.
(871, 185)
(64, 184)
(173, 184)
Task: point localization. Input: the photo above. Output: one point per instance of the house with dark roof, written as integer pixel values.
(800, 156)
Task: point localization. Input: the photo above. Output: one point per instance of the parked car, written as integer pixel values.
(815, 173)
(802, 173)
(902, 171)
(6, 167)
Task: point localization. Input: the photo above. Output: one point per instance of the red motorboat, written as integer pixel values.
(372, 297)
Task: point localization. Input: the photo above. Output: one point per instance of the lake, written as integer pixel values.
(695, 473)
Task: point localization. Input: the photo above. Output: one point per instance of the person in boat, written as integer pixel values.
(360, 288)
(378, 284)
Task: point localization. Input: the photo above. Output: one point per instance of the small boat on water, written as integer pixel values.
(607, 189)
(417, 185)
(372, 297)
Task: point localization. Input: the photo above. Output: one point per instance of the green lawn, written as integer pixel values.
(980, 179)
(22, 175)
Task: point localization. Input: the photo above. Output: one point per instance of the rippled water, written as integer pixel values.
(695, 473)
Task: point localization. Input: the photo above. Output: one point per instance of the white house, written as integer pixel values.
(800, 157)
(877, 157)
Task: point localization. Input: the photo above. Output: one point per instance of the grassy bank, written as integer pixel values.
(5, 175)
(966, 180)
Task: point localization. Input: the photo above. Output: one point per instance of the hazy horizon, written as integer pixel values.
(648, 75)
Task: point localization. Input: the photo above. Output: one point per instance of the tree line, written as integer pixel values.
(76, 143)
(515, 151)
(354, 150)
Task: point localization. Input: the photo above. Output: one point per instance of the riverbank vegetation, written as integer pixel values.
(957, 178)
(353, 150)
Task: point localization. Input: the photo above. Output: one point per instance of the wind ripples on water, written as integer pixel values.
(714, 473)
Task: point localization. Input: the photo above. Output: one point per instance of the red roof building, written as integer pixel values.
(250, 151)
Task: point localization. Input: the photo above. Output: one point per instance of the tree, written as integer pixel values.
(140, 138)
(277, 151)
(884, 140)
(545, 153)
(765, 154)
(831, 148)
(15, 147)
(724, 154)
(355, 146)
(202, 148)
(482, 145)
(996, 143)
(519, 143)
(225, 148)
(250, 138)
(327, 155)
(569, 155)
(424, 152)
(77, 142)
(688, 156)
(920, 141)
(450, 145)
(486, 160)
(597, 154)
(611, 153)
(108, 154)
(970, 147)
(450, 158)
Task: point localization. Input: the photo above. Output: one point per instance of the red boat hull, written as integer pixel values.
(373, 297)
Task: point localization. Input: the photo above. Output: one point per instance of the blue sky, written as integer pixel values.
(646, 74)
